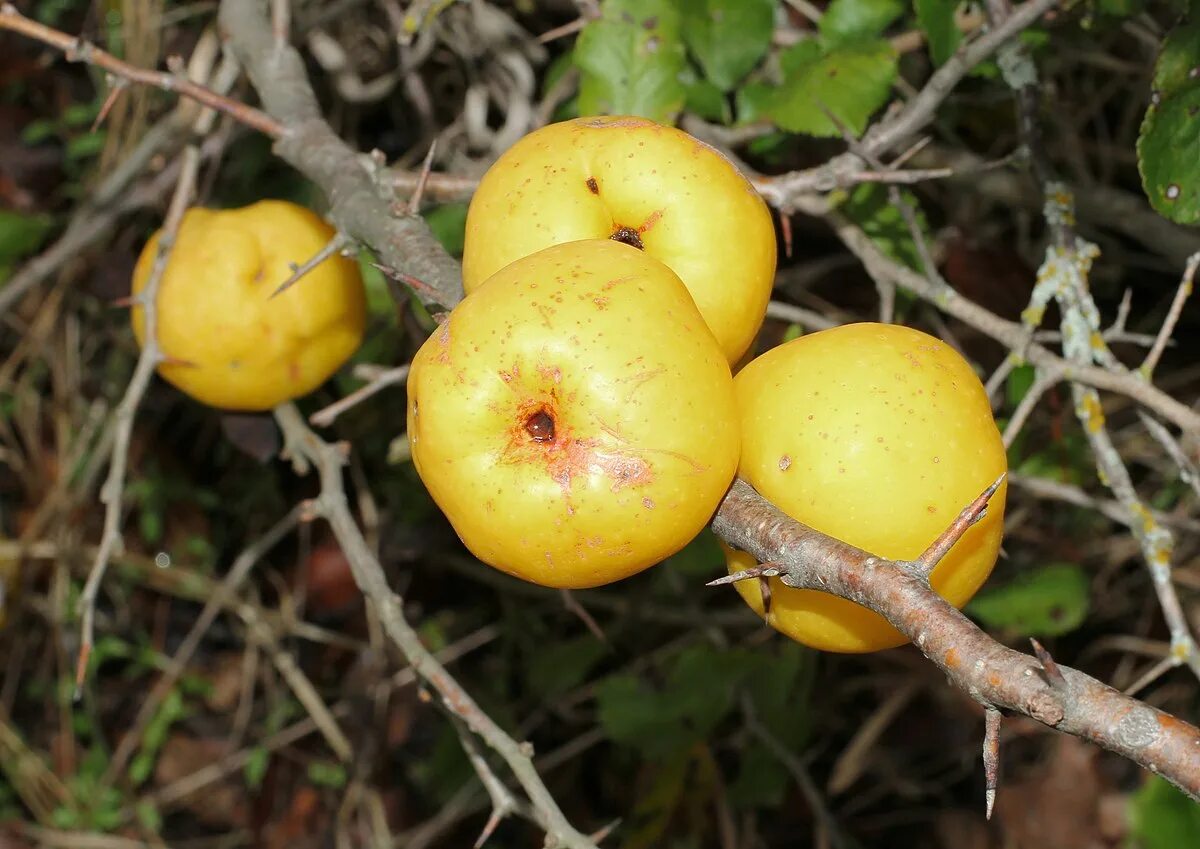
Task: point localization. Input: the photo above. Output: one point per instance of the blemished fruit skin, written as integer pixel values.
(878, 435)
(574, 417)
(590, 178)
(231, 345)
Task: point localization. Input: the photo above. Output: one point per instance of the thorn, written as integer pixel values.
(916, 148)
(970, 515)
(414, 202)
(572, 604)
(85, 653)
(489, 827)
(334, 245)
(417, 285)
(764, 587)
(785, 226)
(127, 301)
(764, 570)
(118, 85)
(1053, 674)
(167, 360)
(991, 756)
(598, 836)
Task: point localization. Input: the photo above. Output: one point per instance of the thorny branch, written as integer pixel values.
(991, 673)
(78, 50)
(305, 449)
(359, 205)
(112, 493)
(362, 206)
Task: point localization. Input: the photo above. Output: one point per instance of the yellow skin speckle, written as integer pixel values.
(590, 177)
(230, 344)
(889, 435)
(599, 457)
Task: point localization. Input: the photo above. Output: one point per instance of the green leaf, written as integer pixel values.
(700, 558)
(728, 37)
(761, 781)
(556, 668)
(327, 774)
(698, 695)
(1166, 142)
(631, 60)
(1166, 150)
(870, 207)
(85, 146)
(853, 21)
(1047, 602)
(708, 101)
(256, 767)
(1019, 382)
(449, 225)
(1162, 817)
(20, 235)
(936, 19)
(850, 82)
(1178, 60)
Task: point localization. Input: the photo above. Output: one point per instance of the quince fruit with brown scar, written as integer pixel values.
(878, 435)
(228, 343)
(574, 417)
(632, 180)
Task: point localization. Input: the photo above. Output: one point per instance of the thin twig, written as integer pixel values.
(368, 574)
(113, 491)
(78, 50)
(326, 416)
(1168, 326)
(220, 597)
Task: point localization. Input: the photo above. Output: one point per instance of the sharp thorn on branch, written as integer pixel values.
(168, 360)
(490, 827)
(414, 202)
(764, 570)
(991, 756)
(339, 241)
(1054, 675)
(598, 836)
(970, 515)
(764, 587)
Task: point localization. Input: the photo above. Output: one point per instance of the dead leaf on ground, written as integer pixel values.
(1066, 802)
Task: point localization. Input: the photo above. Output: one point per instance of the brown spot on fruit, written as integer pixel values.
(593, 186)
(785, 463)
(540, 426)
(648, 503)
(628, 236)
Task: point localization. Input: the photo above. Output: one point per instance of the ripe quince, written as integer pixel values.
(574, 417)
(228, 342)
(635, 181)
(878, 435)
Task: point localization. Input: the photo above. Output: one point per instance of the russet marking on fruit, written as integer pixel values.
(593, 186)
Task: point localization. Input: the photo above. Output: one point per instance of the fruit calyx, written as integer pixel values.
(540, 426)
(628, 236)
